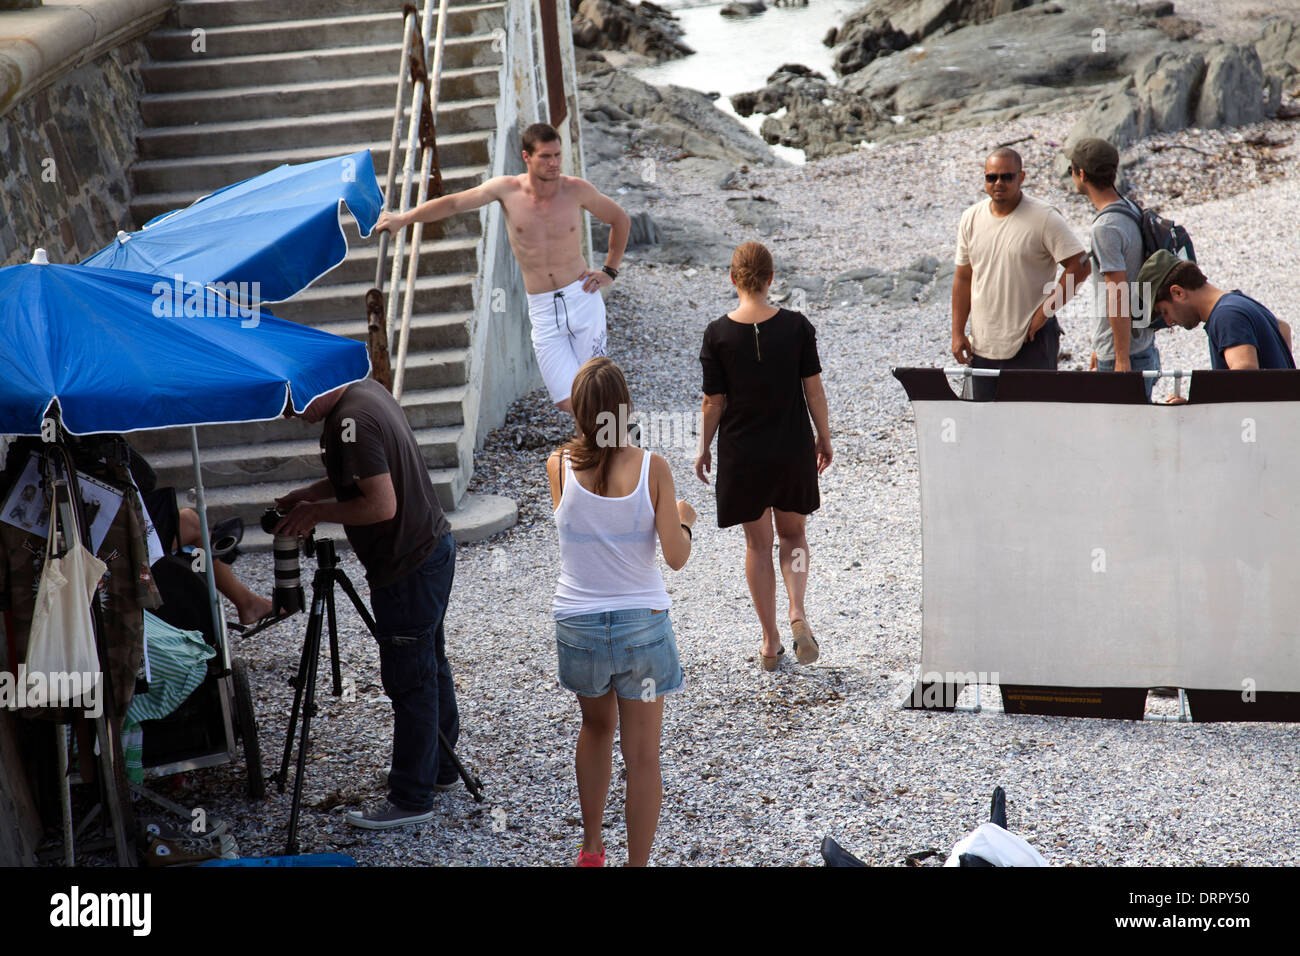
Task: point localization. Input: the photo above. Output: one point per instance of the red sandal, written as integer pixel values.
(591, 859)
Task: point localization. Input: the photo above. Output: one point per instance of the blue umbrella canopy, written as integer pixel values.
(281, 229)
(121, 352)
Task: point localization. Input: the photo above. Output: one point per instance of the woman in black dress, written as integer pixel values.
(762, 379)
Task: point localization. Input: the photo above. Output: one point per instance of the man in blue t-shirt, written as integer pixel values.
(1242, 333)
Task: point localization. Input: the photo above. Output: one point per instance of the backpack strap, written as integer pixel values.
(1127, 207)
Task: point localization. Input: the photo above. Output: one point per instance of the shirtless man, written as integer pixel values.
(543, 212)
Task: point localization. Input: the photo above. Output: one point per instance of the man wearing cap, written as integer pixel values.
(1115, 260)
(1243, 334)
(1005, 285)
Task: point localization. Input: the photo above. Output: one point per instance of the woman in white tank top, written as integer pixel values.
(613, 638)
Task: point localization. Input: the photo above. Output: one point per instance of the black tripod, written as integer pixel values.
(328, 573)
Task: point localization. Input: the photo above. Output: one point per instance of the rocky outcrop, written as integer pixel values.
(991, 61)
(756, 212)
(627, 108)
(927, 279)
(748, 8)
(671, 239)
(1279, 48)
(1219, 86)
(1036, 52)
(885, 26)
(1050, 57)
(629, 126)
(820, 118)
(645, 29)
(1169, 84)
(1232, 90)
(980, 62)
(867, 44)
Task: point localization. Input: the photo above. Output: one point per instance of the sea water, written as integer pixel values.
(735, 55)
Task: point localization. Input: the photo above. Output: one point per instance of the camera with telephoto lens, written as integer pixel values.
(287, 596)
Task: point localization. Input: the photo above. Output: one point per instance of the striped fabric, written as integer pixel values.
(177, 665)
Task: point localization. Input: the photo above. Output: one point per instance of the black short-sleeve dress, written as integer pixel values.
(766, 451)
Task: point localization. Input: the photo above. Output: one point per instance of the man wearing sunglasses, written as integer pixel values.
(1008, 248)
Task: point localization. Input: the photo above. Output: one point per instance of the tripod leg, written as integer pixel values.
(359, 604)
(335, 671)
(472, 783)
(312, 651)
(299, 683)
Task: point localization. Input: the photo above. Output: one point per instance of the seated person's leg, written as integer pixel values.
(251, 607)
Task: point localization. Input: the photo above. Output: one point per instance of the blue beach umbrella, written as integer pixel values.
(281, 229)
(121, 352)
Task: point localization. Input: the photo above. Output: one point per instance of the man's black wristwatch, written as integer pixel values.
(609, 271)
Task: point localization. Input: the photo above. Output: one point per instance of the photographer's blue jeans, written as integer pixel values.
(417, 678)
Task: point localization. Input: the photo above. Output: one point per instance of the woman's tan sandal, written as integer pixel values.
(805, 645)
(770, 663)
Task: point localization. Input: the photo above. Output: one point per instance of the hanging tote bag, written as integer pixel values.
(62, 641)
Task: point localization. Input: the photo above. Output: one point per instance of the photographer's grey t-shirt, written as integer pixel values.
(1116, 247)
(367, 434)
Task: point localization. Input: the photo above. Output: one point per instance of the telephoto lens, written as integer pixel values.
(287, 595)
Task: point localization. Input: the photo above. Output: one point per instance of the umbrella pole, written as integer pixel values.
(209, 572)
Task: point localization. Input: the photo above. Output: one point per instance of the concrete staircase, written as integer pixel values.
(289, 81)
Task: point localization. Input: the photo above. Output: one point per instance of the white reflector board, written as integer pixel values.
(1112, 545)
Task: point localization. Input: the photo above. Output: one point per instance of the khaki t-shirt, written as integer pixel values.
(1013, 268)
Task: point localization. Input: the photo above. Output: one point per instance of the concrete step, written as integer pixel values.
(443, 330)
(424, 408)
(317, 31)
(147, 205)
(373, 125)
(481, 516)
(304, 99)
(346, 301)
(437, 257)
(248, 501)
(301, 66)
(215, 172)
(217, 13)
(437, 368)
(296, 460)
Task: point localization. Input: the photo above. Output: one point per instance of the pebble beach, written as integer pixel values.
(758, 767)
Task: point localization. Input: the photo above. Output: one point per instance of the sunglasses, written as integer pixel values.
(1005, 177)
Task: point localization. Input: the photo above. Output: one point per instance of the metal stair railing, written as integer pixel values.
(421, 137)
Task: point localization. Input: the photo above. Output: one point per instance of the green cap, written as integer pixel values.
(1096, 157)
(1156, 270)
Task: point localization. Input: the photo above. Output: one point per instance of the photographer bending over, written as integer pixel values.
(386, 503)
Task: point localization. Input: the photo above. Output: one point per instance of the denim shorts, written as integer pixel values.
(632, 651)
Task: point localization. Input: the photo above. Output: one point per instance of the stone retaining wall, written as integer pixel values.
(64, 156)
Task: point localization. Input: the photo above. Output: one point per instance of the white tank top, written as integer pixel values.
(607, 550)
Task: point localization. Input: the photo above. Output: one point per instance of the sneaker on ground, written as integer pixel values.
(386, 815)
